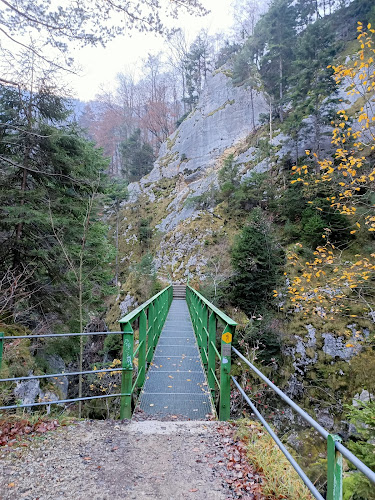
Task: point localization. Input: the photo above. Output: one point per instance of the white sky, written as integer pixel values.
(101, 65)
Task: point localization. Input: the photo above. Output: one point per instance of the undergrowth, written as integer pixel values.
(282, 481)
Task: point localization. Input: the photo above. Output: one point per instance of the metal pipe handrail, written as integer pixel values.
(278, 391)
(205, 318)
(199, 307)
(295, 465)
(60, 401)
(133, 315)
(62, 374)
(56, 335)
(224, 318)
(339, 447)
(152, 315)
(355, 461)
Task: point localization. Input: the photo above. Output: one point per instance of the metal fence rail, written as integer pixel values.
(151, 314)
(335, 449)
(288, 455)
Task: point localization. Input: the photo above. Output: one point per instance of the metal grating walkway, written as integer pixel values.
(176, 383)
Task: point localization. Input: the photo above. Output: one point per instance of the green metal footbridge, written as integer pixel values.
(179, 366)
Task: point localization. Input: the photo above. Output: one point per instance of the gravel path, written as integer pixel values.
(106, 460)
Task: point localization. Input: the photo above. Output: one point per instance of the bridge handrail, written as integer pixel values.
(152, 315)
(134, 314)
(205, 318)
(224, 318)
(335, 449)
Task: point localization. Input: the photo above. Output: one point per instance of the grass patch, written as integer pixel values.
(221, 108)
(282, 481)
(171, 140)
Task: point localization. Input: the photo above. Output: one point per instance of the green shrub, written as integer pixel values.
(356, 485)
(258, 261)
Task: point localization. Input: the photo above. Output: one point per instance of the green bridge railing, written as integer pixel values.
(205, 317)
(151, 315)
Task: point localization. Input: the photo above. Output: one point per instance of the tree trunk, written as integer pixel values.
(281, 88)
(23, 189)
(80, 306)
(28, 112)
(252, 108)
(117, 231)
(270, 120)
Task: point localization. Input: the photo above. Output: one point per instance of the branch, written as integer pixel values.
(27, 132)
(36, 53)
(8, 82)
(26, 16)
(48, 174)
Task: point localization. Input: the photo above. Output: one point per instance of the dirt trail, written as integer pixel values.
(106, 460)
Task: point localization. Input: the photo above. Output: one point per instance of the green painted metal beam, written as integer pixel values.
(134, 314)
(127, 374)
(334, 469)
(224, 318)
(225, 366)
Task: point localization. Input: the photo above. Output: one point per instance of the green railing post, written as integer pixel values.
(142, 349)
(165, 306)
(200, 327)
(151, 328)
(211, 353)
(1, 348)
(204, 337)
(226, 351)
(156, 321)
(194, 309)
(334, 469)
(127, 373)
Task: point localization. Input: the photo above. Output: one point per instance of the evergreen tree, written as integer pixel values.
(276, 34)
(138, 157)
(257, 260)
(197, 65)
(48, 173)
(311, 83)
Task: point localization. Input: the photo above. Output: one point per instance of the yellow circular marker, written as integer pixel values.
(227, 337)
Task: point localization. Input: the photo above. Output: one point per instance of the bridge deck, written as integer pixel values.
(176, 383)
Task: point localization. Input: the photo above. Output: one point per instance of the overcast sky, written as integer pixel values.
(100, 65)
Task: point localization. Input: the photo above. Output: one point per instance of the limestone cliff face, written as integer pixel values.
(188, 166)
(222, 119)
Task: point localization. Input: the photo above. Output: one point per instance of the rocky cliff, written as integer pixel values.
(187, 167)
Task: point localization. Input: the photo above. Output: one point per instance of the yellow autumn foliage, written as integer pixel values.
(330, 285)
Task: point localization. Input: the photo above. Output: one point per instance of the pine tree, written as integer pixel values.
(48, 173)
(312, 88)
(138, 157)
(197, 65)
(257, 260)
(276, 35)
